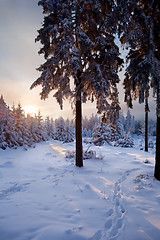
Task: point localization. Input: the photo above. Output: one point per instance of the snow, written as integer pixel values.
(43, 195)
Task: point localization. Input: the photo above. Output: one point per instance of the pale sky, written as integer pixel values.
(19, 22)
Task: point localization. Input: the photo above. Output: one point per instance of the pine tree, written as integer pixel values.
(120, 126)
(19, 124)
(3, 107)
(146, 121)
(63, 131)
(138, 127)
(3, 110)
(40, 128)
(102, 134)
(128, 121)
(49, 126)
(140, 29)
(78, 43)
(8, 135)
(17, 130)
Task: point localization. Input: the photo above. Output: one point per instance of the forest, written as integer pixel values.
(16, 129)
(82, 58)
(94, 177)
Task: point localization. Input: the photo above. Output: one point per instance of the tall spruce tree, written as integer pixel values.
(140, 29)
(146, 120)
(78, 43)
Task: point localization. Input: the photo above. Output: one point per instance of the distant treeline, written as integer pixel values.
(18, 130)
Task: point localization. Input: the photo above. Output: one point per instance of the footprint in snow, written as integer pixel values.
(48, 154)
(13, 189)
(114, 224)
(109, 213)
(7, 164)
(108, 224)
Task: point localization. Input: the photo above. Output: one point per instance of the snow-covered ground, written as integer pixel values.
(44, 196)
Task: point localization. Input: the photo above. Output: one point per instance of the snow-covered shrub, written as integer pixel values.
(88, 154)
(87, 140)
(70, 154)
(150, 144)
(116, 136)
(18, 130)
(62, 132)
(127, 141)
(3, 145)
(102, 135)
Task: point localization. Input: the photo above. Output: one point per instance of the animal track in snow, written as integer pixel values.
(114, 224)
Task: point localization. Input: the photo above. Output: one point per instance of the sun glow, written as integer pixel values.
(31, 110)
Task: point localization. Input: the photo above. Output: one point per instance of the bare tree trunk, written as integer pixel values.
(79, 149)
(157, 159)
(146, 124)
(157, 164)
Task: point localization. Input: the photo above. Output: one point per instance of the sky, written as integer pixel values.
(19, 58)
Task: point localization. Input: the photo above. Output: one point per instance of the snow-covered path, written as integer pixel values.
(44, 196)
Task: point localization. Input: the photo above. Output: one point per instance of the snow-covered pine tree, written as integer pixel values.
(146, 119)
(78, 43)
(62, 131)
(126, 141)
(17, 130)
(69, 135)
(11, 135)
(3, 143)
(89, 125)
(123, 136)
(138, 127)
(20, 127)
(31, 132)
(3, 115)
(49, 126)
(152, 127)
(120, 125)
(8, 133)
(59, 133)
(3, 107)
(128, 122)
(102, 134)
(140, 29)
(40, 127)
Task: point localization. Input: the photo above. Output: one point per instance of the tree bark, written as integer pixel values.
(146, 124)
(157, 158)
(157, 163)
(79, 149)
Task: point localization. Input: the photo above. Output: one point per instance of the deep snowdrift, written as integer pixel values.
(44, 196)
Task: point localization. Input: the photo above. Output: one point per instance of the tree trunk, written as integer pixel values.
(157, 164)
(79, 149)
(157, 158)
(146, 124)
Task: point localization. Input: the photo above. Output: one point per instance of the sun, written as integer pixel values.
(30, 109)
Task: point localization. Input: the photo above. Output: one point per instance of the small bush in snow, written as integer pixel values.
(3, 145)
(150, 144)
(89, 154)
(127, 141)
(70, 154)
(86, 154)
(108, 134)
(87, 140)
